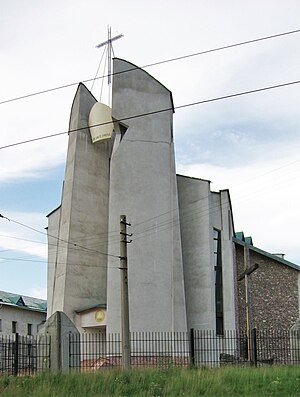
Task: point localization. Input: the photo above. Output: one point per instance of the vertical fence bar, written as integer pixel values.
(192, 347)
(254, 346)
(20, 355)
(16, 355)
(70, 352)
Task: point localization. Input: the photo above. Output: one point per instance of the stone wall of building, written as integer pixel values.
(273, 292)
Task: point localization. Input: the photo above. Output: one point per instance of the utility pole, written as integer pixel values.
(124, 293)
(248, 270)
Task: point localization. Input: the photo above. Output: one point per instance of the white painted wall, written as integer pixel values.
(22, 316)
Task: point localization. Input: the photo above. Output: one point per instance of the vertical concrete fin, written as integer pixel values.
(82, 103)
(81, 271)
(143, 187)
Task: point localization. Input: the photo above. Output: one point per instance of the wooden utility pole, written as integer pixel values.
(124, 293)
(247, 271)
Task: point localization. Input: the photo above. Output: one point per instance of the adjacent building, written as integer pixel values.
(273, 287)
(21, 314)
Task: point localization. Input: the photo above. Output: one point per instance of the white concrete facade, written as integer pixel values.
(143, 186)
(77, 272)
(171, 259)
(201, 212)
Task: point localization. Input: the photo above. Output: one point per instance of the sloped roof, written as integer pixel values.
(22, 301)
(240, 236)
(242, 240)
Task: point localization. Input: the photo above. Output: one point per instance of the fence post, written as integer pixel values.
(192, 347)
(16, 355)
(254, 347)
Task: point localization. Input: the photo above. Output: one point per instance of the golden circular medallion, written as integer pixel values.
(99, 315)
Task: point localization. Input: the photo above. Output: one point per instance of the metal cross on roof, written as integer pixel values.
(108, 42)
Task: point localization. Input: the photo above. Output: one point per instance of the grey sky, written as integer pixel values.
(248, 144)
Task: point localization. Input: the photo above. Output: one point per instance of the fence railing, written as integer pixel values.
(24, 355)
(21, 355)
(148, 349)
(90, 352)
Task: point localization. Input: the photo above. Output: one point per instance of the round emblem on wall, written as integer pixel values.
(99, 315)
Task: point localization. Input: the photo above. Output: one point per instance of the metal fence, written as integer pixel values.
(20, 355)
(24, 355)
(91, 352)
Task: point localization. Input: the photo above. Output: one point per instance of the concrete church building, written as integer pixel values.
(180, 261)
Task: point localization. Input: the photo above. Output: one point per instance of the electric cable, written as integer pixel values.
(215, 99)
(164, 223)
(57, 238)
(155, 64)
(194, 214)
(170, 222)
(230, 189)
(3, 260)
(104, 51)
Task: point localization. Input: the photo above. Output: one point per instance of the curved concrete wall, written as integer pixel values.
(202, 210)
(142, 187)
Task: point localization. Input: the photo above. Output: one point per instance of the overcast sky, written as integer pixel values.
(247, 144)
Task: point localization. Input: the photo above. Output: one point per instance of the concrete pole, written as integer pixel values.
(124, 294)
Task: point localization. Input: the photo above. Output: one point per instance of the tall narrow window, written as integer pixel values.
(14, 327)
(29, 329)
(0, 325)
(218, 283)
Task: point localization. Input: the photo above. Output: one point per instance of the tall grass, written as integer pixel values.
(258, 382)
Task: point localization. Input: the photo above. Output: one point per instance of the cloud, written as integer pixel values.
(27, 120)
(15, 238)
(38, 292)
(265, 197)
(233, 142)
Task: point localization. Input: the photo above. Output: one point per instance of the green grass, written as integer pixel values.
(242, 382)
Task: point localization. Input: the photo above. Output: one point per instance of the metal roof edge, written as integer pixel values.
(268, 254)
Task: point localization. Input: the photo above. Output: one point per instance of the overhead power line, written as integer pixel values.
(223, 97)
(161, 224)
(57, 238)
(225, 47)
(5, 260)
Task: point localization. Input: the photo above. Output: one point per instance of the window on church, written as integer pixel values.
(218, 282)
(29, 329)
(0, 325)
